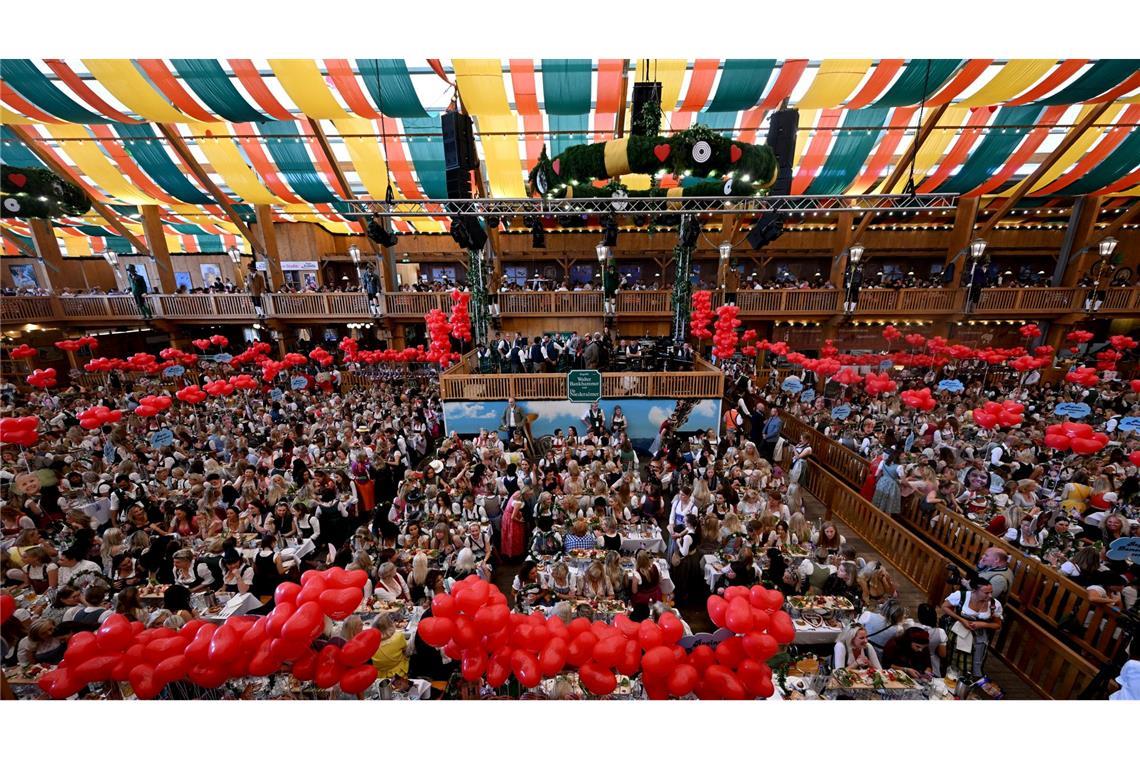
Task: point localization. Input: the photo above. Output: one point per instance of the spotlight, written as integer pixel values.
(766, 230)
(379, 233)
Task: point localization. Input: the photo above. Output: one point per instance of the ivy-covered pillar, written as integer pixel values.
(682, 285)
(477, 284)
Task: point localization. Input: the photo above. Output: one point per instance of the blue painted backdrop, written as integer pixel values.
(643, 416)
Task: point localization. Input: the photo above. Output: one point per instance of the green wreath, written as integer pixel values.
(733, 168)
(32, 193)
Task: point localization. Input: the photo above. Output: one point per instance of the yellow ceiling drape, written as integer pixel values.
(304, 84)
(808, 119)
(935, 146)
(8, 116)
(84, 152)
(1076, 151)
(227, 160)
(133, 90)
(1014, 78)
(480, 83)
(77, 246)
(834, 82)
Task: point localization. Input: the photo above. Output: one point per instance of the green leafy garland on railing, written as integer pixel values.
(733, 168)
(31, 193)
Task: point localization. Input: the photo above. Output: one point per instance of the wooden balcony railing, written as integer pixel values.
(415, 304)
(318, 305)
(1038, 589)
(1049, 664)
(645, 302)
(457, 384)
(27, 309)
(917, 302)
(543, 304)
(1030, 301)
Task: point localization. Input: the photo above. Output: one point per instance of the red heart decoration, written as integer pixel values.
(19, 180)
(735, 153)
(557, 163)
(662, 152)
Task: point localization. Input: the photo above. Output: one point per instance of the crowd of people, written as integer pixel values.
(254, 490)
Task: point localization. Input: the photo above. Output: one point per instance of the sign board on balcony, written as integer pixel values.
(841, 412)
(1074, 411)
(584, 385)
(299, 383)
(954, 386)
(792, 384)
(174, 370)
(276, 394)
(808, 396)
(299, 266)
(886, 364)
(161, 438)
(1129, 425)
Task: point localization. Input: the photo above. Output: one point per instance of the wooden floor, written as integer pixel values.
(911, 597)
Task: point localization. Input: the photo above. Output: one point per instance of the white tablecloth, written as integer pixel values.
(809, 634)
(577, 570)
(654, 543)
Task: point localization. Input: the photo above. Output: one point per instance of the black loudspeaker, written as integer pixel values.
(458, 183)
(458, 141)
(782, 140)
(468, 233)
(766, 229)
(643, 92)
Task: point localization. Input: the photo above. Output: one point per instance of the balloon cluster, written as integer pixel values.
(919, 399)
(701, 315)
(71, 346)
(914, 340)
(439, 350)
(1007, 414)
(847, 376)
(191, 394)
(891, 333)
(474, 625)
(178, 356)
(1079, 336)
(142, 362)
(460, 316)
(1077, 436)
(98, 416)
(416, 354)
(219, 341)
(23, 351)
(209, 655)
(103, 364)
(294, 360)
(321, 356)
(748, 339)
(875, 384)
(1119, 342)
(217, 388)
(1027, 363)
(1106, 360)
(350, 347)
(1030, 331)
(202, 344)
(244, 383)
(21, 431)
(149, 406)
(1084, 376)
(42, 378)
(725, 338)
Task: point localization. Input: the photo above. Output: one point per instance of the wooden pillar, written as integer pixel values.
(840, 242)
(1055, 336)
(156, 241)
(496, 260)
(1079, 237)
(269, 239)
(47, 249)
(964, 220)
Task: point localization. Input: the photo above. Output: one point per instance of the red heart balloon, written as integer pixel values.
(340, 603)
(358, 679)
(734, 153)
(662, 151)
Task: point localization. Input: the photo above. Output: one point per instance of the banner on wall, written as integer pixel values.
(299, 266)
(644, 416)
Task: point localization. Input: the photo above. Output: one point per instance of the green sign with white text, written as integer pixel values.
(584, 385)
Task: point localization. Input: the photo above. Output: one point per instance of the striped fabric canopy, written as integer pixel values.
(253, 126)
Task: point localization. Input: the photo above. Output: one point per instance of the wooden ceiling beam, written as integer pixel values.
(904, 163)
(1118, 224)
(1027, 184)
(60, 171)
(179, 146)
